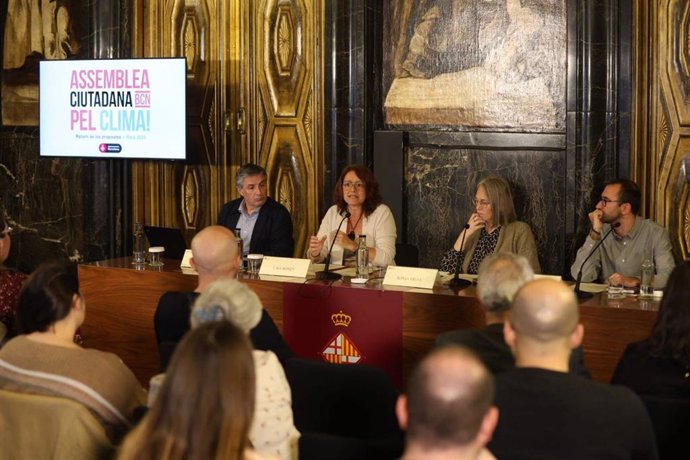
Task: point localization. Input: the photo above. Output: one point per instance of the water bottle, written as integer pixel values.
(138, 244)
(240, 247)
(647, 279)
(362, 258)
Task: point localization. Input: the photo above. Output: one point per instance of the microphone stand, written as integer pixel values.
(457, 281)
(326, 274)
(582, 295)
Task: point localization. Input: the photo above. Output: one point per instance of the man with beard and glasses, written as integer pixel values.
(619, 259)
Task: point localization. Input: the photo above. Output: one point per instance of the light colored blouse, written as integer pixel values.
(379, 228)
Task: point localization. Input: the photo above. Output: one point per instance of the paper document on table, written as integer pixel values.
(592, 287)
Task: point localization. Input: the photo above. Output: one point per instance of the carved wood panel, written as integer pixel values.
(185, 194)
(253, 94)
(287, 106)
(661, 119)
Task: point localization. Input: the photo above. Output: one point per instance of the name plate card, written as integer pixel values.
(185, 259)
(424, 278)
(284, 266)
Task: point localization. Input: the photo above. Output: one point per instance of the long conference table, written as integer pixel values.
(121, 300)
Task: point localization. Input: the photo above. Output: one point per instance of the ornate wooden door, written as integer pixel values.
(254, 94)
(661, 116)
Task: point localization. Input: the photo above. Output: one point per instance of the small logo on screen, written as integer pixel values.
(110, 148)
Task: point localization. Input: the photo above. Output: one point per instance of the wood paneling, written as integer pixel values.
(661, 122)
(254, 94)
(287, 106)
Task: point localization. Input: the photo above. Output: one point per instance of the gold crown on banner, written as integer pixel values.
(341, 319)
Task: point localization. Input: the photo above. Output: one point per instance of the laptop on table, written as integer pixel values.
(171, 239)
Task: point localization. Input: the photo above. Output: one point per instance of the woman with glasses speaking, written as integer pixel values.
(357, 194)
(492, 228)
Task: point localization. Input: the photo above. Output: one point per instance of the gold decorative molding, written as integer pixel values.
(287, 49)
(191, 199)
(661, 117)
(285, 185)
(284, 41)
(288, 115)
(190, 41)
(308, 121)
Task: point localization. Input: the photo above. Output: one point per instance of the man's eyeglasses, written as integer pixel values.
(355, 185)
(480, 203)
(606, 201)
(7, 231)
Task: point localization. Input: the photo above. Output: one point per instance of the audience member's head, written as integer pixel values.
(670, 335)
(543, 322)
(214, 252)
(206, 404)
(49, 295)
(448, 406)
(230, 300)
(500, 276)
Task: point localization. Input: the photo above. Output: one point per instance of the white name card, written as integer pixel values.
(411, 277)
(284, 266)
(185, 259)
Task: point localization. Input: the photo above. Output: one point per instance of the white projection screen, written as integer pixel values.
(113, 108)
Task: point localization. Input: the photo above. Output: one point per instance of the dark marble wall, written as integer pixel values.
(599, 104)
(351, 84)
(67, 208)
(441, 177)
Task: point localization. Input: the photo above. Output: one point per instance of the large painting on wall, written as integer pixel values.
(476, 64)
(33, 30)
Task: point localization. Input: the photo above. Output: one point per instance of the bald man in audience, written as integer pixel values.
(448, 412)
(500, 275)
(214, 256)
(547, 413)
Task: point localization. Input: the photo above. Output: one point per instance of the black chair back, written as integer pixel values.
(345, 400)
(671, 421)
(347, 411)
(406, 255)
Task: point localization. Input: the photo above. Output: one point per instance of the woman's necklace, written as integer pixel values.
(351, 233)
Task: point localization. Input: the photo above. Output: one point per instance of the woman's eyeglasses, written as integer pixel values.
(480, 203)
(355, 185)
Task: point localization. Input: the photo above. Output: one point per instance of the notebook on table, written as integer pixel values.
(170, 238)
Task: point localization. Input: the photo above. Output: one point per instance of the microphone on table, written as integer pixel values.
(457, 281)
(582, 294)
(325, 274)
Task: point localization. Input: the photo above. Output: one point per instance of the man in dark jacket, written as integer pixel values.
(265, 225)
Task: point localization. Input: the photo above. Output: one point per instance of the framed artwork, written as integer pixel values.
(33, 30)
(478, 64)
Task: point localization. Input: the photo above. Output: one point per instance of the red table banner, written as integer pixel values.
(345, 325)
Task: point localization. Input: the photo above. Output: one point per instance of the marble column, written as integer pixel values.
(352, 84)
(67, 208)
